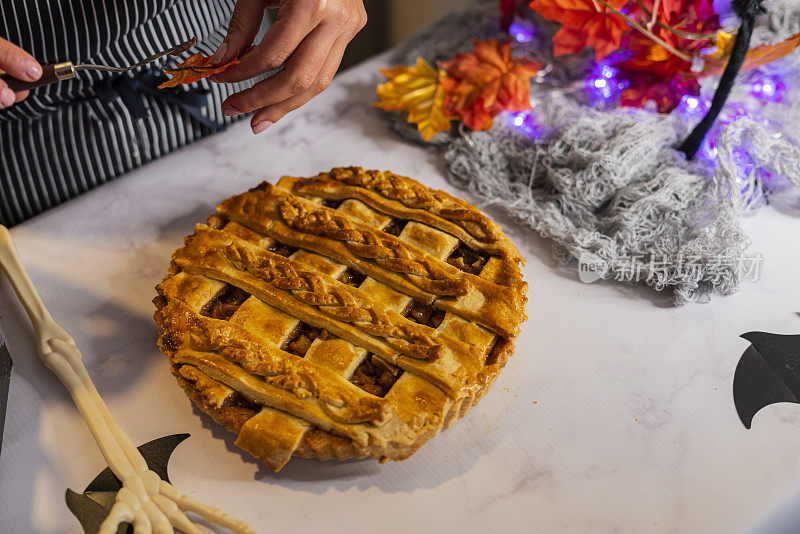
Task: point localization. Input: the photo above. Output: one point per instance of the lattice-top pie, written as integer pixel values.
(352, 314)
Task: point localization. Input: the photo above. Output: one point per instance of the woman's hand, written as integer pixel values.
(19, 64)
(308, 38)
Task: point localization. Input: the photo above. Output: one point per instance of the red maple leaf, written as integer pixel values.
(665, 92)
(653, 73)
(676, 16)
(487, 81)
(584, 23)
(194, 69)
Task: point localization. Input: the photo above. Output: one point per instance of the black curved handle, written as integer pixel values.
(49, 75)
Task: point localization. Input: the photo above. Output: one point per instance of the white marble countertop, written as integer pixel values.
(615, 414)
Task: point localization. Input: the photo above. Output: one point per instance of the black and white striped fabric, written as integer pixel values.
(69, 137)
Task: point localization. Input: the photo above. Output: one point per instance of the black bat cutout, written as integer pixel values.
(768, 372)
(93, 505)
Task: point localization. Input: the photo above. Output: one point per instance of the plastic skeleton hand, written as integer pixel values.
(146, 501)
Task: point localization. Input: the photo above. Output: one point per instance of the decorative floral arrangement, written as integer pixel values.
(473, 88)
(652, 50)
(614, 189)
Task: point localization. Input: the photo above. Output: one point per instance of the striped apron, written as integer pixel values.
(70, 137)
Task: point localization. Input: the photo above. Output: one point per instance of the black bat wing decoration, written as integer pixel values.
(768, 372)
(5, 378)
(92, 506)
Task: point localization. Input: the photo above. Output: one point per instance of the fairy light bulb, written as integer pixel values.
(525, 123)
(522, 30)
(768, 87)
(607, 71)
(602, 86)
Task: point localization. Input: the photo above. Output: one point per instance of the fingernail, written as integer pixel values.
(219, 54)
(33, 70)
(230, 111)
(6, 97)
(261, 126)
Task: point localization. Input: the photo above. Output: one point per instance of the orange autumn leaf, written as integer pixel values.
(714, 63)
(584, 23)
(483, 83)
(194, 69)
(416, 90)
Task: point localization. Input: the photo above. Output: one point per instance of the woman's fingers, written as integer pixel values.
(242, 29)
(308, 39)
(266, 117)
(295, 20)
(299, 75)
(19, 64)
(9, 97)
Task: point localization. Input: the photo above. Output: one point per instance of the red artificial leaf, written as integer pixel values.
(508, 8)
(666, 8)
(194, 69)
(675, 16)
(487, 81)
(584, 23)
(665, 92)
(653, 72)
(651, 58)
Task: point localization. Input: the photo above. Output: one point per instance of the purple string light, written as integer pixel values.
(603, 89)
(522, 30)
(525, 122)
(602, 86)
(768, 87)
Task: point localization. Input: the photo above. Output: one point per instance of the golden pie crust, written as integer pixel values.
(352, 314)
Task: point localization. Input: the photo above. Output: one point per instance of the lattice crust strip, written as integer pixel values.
(409, 389)
(298, 222)
(283, 404)
(324, 302)
(404, 198)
